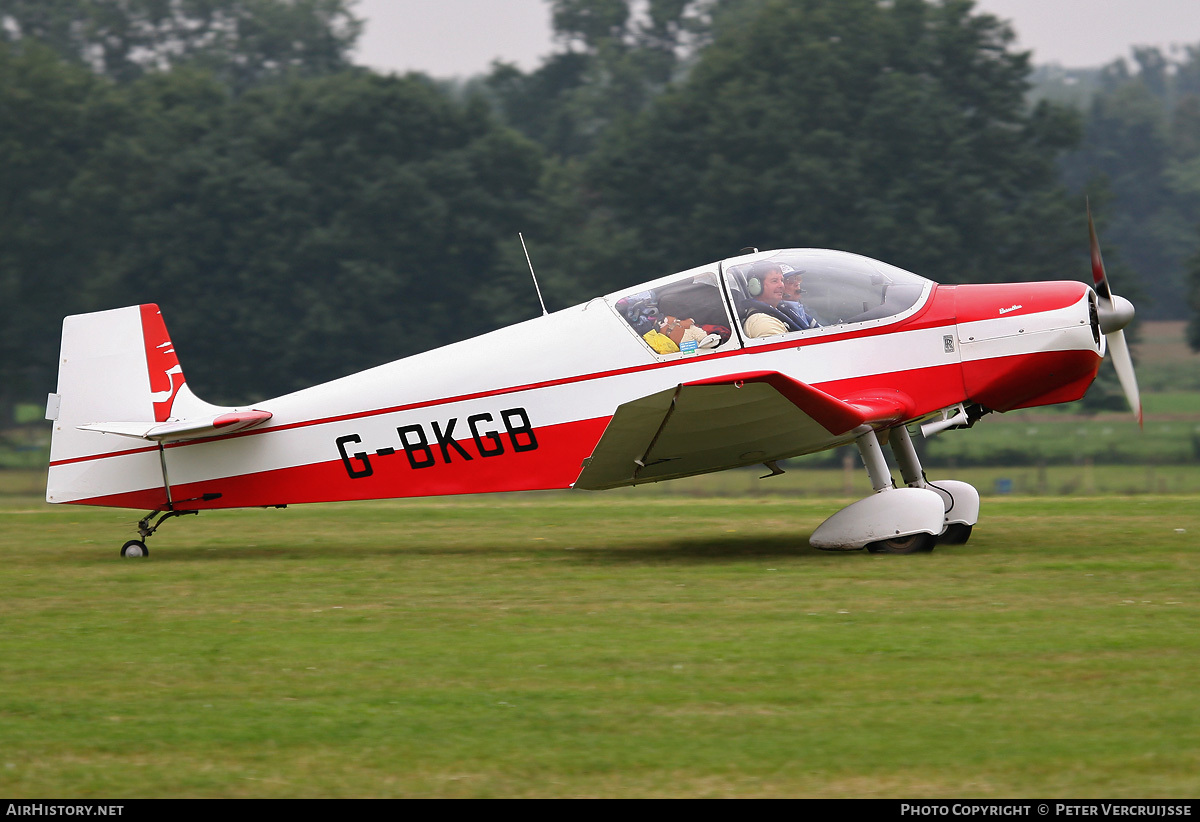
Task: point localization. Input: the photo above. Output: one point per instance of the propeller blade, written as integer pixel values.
(1124, 365)
(1115, 314)
(1099, 279)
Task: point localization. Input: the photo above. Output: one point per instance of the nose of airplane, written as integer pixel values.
(1027, 344)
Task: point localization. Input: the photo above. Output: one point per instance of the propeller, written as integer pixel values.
(1114, 313)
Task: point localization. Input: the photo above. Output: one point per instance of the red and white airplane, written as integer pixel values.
(752, 359)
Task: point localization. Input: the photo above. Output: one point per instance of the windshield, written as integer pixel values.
(802, 289)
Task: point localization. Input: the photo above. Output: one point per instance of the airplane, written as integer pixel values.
(702, 370)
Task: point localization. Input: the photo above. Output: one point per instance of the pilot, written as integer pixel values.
(760, 314)
(790, 305)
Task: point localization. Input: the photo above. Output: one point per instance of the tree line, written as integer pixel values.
(298, 217)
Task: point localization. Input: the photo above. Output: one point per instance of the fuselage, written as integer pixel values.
(524, 407)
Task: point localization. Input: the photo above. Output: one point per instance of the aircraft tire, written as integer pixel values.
(956, 534)
(135, 548)
(912, 544)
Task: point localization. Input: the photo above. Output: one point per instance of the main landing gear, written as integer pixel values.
(909, 520)
(137, 547)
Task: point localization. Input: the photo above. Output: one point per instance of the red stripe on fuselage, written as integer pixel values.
(555, 463)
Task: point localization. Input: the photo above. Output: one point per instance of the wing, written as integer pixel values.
(724, 422)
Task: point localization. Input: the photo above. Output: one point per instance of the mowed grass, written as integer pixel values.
(624, 644)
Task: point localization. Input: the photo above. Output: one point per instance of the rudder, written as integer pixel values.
(113, 365)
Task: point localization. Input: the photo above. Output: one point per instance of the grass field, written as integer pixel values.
(617, 644)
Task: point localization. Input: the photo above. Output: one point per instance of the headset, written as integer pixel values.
(755, 276)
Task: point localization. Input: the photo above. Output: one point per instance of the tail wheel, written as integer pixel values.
(135, 548)
(912, 544)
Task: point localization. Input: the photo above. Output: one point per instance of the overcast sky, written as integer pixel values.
(461, 37)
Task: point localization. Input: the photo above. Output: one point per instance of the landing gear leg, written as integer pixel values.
(137, 547)
(960, 500)
(906, 457)
(872, 457)
(919, 543)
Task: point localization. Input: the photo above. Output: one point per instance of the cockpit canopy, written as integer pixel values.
(766, 295)
(820, 288)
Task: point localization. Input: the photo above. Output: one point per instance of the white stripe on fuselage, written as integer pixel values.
(1063, 329)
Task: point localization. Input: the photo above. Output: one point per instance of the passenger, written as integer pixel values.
(792, 281)
(791, 306)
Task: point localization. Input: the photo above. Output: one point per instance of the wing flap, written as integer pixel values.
(723, 422)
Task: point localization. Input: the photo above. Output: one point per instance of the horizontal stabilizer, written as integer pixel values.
(226, 422)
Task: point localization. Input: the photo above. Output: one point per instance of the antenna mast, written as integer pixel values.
(531, 274)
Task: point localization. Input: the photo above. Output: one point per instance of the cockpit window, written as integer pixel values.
(806, 289)
(681, 314)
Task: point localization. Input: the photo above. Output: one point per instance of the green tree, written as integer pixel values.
(1185, 175)
(615, 57)
(293, 233)
(313, 228)
(1193, 327)
(54, 224)
(897, 130)
(1142, 143)
(243, 41)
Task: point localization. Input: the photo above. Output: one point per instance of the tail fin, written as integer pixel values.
(118, 378)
